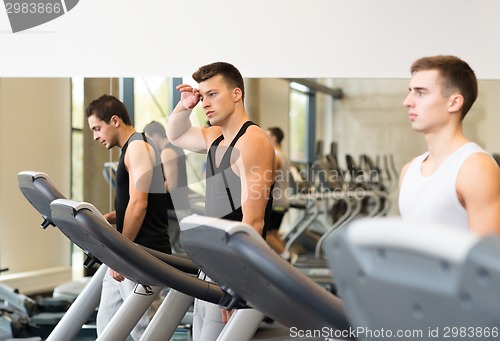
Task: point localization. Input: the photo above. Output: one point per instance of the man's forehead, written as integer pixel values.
(427, 77)
(426, 74)
(95, 121)
(93, 118)
(214, 83)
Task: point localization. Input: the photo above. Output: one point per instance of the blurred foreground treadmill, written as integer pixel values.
(429, 281)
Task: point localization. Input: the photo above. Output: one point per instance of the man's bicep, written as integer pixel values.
(140, 184)
(257, 183)
(257, 179)
(484, 212)
(479, 187)
(192, 139)
(258, 169)
(484, 217)
(140, 164)
(254, 197)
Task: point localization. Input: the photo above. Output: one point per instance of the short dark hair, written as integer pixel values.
(106, 107)
(230, 74)
(155, 127)
(278, 133)
(455, 75)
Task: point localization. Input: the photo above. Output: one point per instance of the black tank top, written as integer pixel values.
(153, 232)
(223, 186)
(177, 198)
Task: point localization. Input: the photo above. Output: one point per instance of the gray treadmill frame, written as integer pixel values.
(242, 324)
(40, 191)
(395, 275)
(235, 256)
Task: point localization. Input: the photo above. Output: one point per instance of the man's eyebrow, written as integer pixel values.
(207, 91)
(417, 88)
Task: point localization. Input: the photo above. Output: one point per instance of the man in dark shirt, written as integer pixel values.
(140, 197)
(240, 162)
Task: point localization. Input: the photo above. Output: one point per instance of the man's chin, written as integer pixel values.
(214, 122)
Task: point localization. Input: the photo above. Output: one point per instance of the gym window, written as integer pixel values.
(302, 123)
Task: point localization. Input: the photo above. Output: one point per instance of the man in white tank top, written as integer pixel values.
(455, 182)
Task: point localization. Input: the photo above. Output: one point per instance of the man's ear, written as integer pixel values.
(456, 102)
(237, 93)
(115, 120)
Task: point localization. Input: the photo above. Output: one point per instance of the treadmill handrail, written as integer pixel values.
(398, 234)
(177, 261)
(117, 246)
(243, 248)
(41, 184)
(230, 227)
(34, 184)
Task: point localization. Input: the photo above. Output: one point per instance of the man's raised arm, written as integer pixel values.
(179, 129)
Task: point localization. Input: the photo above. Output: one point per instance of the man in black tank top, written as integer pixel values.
(140, 199)
(240, 163)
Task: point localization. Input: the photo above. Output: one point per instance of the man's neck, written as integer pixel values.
(232, 124)
(125, 134)
(440, 145)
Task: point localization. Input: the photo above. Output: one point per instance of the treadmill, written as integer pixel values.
(85, 226)
(427, 281)
(234, 255)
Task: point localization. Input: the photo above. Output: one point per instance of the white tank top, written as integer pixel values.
(434, 198)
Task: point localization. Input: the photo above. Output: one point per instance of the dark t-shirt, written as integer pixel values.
(223, 191)
(153, 232)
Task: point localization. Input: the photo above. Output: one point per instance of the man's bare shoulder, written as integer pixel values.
(255, 149)
(255, 138)
(479, 178)
(478, 189)
(255, 132)
(479, 165)
(139, 146)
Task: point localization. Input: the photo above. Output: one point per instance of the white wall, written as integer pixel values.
(279, 38)
(34, 135)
